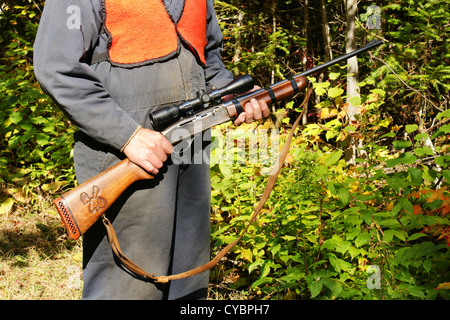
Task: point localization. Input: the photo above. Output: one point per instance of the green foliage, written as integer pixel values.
(418, 34)
(36, 140)
(332, 231)
(256, 41)
(378, 229)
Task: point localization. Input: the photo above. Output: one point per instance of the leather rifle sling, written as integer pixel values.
(267, 190)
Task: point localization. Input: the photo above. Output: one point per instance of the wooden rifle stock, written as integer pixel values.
(85, 204)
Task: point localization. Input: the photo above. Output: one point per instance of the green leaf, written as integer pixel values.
(319, 90)
(415, 236)
(334, 75)
(335, 92)
(265, 269)
(255, 265)
(261, 281)
(355, 101)
(388, 235)
(405, 158)
(288, 238)
(226, 170)
(441, 131)
(399, 234)
(42, 139)
(396, 183)
(389, 135)
(333, 158)
(411, 127)
(350, 129)
(334, 286)
(416, 292)
(315, 287)
(389, 223)
(420, 136)
(16, 117)
(362, 239)
(407, 205)
(427, 265)
(443, 161)
(402, 144)
(344, 196)
(26, 126)
(416, 176)
(393, 162)
(421, 151)
(443, 114)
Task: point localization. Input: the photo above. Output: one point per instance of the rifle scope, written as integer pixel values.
(163, 117)
(241, 84)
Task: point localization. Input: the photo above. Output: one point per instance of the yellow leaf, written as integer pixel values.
(17, 194)
(389, 206)
(289, 158)
(342, 114)
(247, 254)
(6, 206)
(78, 257)
(385, 123)
(362, 263)
(53, 187)
(326, 113)
(266, 125)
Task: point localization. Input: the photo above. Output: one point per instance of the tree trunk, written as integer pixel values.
(352, 81)
(327, 42)
(306, 52)
(352, 68)
(326, 31)
(238, 47)
(273, 9)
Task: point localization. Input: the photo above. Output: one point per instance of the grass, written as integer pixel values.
(37, 259)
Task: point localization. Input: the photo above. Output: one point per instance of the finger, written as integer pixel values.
(161, 148)
(155, 161)
(166, 146)
(249, 112)
(264, 108)
(160, 154)
(148, 166)
(241, 118)
(151, 169)
(257, 113)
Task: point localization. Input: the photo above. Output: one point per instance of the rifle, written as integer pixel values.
(81, 207)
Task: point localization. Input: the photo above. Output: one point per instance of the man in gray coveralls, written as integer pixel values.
(107, 64)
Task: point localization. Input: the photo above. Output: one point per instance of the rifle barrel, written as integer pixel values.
(370, 45)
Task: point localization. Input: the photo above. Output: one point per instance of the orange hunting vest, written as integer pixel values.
(142, 31)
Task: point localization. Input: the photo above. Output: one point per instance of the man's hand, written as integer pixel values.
(148, 149)
(254, 110)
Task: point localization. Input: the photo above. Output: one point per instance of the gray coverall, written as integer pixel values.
(162, 224)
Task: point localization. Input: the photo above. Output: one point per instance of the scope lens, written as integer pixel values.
(162, 116)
